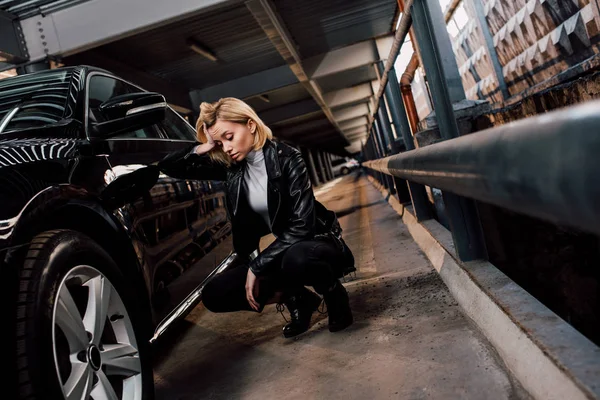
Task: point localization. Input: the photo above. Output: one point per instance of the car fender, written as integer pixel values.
(72, 207)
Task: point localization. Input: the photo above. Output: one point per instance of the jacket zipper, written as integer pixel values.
(237, 196)
(278, 198)
(277, 209)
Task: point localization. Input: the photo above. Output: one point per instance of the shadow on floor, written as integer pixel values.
(161, 349)
(348, 211)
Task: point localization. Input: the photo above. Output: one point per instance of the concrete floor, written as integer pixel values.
(409, 340)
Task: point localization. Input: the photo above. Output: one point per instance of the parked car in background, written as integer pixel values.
(343, 165)
(100, 252)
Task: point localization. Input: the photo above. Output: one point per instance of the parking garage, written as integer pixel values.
(455, 141)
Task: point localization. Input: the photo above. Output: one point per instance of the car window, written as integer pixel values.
(176, 127)
(102, 88)
(33, 100)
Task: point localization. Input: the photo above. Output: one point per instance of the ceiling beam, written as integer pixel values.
(314, 125)
(327, 148)
(289, 111)
(318, 133)
(355, 147)
(340, 60)
(247, 86)
(351, 112)
(356, 130)
(334, 140)
(11, 48)
(330, 140)
(349, 95)
(96, 22)
(356, 137)
(347, 58)
(267, 17)
(353, 123)
(300, 119)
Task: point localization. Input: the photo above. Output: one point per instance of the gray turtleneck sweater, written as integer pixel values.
(255, 184)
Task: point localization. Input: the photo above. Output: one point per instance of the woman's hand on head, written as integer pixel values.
(208, 145)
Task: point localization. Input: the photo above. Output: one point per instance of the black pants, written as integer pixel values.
(316, 263)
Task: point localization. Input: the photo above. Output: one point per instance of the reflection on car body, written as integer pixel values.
(78, 149)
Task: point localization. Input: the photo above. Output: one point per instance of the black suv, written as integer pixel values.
(99, 251)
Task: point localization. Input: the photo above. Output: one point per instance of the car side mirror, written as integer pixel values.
(129, 112)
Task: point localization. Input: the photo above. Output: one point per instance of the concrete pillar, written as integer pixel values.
(393, 96)
(310, 164)
(328, 165)
(320, 168)
(377, 151)
(446, 88)
(435, 45)
(387, 179)
(386, 129)
(324, 164)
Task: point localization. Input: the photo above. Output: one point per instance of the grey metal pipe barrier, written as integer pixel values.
(545, 166)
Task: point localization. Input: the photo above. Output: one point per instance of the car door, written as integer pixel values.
(208, 227)
(178, 226)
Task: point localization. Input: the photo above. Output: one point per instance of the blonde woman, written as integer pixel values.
(268, 191)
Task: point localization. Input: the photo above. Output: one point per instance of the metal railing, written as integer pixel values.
(546, 166)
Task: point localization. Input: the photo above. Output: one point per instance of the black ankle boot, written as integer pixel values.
(301, 306)
(338, 308)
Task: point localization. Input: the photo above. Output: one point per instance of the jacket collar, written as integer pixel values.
(271, 152)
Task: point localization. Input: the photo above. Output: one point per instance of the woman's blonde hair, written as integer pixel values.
(232, 110)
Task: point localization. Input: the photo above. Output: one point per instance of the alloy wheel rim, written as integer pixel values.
(95, 350)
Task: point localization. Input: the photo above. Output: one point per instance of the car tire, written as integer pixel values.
(345, 171)
(79, 326)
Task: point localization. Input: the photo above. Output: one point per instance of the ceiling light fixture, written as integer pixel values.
(203, 51)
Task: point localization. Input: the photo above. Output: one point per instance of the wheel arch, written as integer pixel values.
(75, 209)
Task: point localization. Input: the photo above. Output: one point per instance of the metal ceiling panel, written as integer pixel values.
(318, 26)
(230, 33)
(242, 47)
(28, 8)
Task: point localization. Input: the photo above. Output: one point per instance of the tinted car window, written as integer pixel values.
(102, 88)
(176, 127)
(39, 99)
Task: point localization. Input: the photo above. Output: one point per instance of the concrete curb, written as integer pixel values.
(549, 357)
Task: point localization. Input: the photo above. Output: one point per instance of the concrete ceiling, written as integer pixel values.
(307, 67)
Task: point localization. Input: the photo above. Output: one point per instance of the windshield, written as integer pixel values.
(33, 100)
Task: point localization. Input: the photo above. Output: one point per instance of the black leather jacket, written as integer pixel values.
(294, 213)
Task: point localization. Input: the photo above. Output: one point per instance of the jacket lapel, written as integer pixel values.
(235, 186)
(272, 160)
(273, 186)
